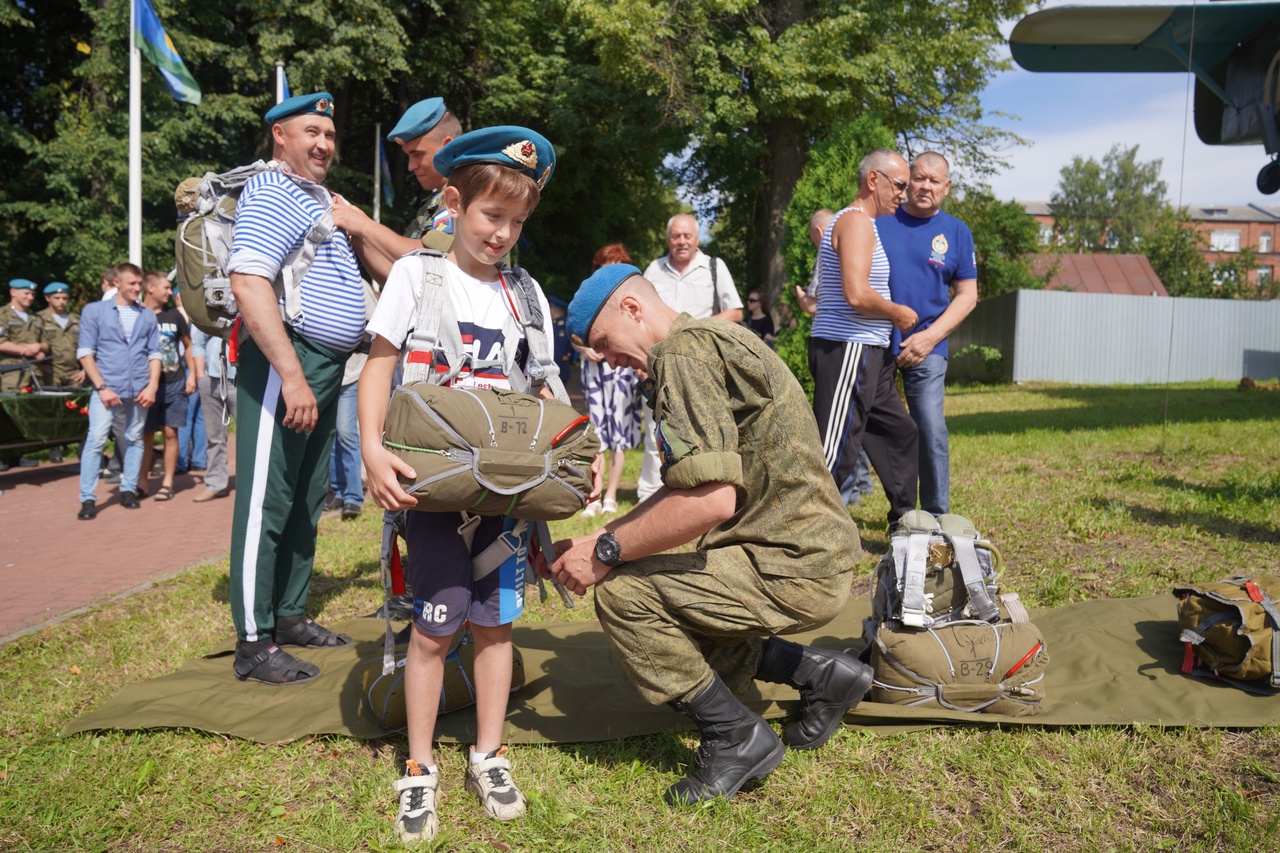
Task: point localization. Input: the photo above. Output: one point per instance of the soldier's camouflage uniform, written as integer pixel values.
(435, 231)
(15, 330)
(62, 346)
(729, 411)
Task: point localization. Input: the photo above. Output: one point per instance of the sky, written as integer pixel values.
(1065, 115)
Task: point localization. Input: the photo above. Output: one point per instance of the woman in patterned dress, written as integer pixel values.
(613, 401)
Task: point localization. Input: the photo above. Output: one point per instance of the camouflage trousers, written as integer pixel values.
(674, 619)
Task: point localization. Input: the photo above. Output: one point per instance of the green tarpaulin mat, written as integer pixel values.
(1112, 662)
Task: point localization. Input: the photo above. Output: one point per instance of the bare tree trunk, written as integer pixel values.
(785, 138)
(786, 162)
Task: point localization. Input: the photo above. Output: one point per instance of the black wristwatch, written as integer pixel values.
(608, 551)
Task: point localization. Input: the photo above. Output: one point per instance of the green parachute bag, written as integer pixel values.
(491, 451)
(969, 666)
(1231, 631)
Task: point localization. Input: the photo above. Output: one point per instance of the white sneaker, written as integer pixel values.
(490, 780)
(591, 510)
(416, 820)
(610, 507)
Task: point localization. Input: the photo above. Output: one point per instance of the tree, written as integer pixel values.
(755, 85)
(63, 117)
(829, 180)
(1176, 252)
(1106, 206)
(1005, 241)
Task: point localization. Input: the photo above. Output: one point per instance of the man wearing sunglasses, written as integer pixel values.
(932, 269)
(854, 398)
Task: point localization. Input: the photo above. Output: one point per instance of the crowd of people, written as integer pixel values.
(736, 462)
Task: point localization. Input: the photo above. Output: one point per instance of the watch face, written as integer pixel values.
(607, 550)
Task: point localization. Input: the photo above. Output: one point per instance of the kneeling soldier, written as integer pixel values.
(743, 475)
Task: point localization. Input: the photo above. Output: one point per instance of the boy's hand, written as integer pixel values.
(597, 477)
(382, 466)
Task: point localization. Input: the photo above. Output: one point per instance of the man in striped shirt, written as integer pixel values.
(289, 376)
(854, 398)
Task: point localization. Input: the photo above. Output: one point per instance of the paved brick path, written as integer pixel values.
(53, 565)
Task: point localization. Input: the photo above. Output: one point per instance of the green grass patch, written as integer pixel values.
(1087, 493)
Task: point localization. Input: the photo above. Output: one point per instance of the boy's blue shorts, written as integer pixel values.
(441, 572)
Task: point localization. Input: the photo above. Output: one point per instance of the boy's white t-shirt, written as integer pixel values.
(482, 309)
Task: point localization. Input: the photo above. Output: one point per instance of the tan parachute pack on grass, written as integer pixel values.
(1231, 631)
(941, 635)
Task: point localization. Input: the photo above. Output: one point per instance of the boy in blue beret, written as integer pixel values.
(492, 330)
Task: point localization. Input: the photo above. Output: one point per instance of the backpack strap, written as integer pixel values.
(911, 552)
(974, 584)
(1268, 604)
(430, 332)
(911, 558)
(529, 315)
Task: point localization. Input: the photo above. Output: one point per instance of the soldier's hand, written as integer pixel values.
(301, 412)
(77, 378)
(348, 217)
(578, 569)
(597, 478)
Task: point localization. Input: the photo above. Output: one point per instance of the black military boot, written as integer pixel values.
(737, 747)
(829, 682)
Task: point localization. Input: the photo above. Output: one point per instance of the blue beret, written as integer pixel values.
(318, 103)
(417, 120)
(56, 287)
(506, 145)
(591, 297)
(21, 284)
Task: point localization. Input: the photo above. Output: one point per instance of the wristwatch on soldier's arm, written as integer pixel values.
(608, 551)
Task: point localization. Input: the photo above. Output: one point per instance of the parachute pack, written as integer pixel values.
(940, 634)
(1231, 631)
(202, 247)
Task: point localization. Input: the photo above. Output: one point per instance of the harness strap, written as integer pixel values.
(1273, 616)
(971, 573)
(914, 560)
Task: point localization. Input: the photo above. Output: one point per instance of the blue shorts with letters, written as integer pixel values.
(443, 573)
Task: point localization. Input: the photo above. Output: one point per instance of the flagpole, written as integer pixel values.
(135, 139)
(279, 80)
(377, 171)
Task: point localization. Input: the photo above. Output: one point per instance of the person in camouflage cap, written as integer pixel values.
(743, 477)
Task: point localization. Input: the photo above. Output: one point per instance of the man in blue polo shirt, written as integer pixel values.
(932, 270)
(289, 375)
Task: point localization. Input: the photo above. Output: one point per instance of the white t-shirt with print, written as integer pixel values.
(481, 308)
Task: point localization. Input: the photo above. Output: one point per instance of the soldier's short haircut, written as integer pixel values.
(448, 125)
(879, 160)
(475, 181)
(126, 267)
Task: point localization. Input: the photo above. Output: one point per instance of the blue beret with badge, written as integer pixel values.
(506, 145)
(592, 295)
(317, 103)
(21, 284)
(56, 287)
(417, 120)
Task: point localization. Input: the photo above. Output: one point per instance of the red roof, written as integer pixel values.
(1129, 275)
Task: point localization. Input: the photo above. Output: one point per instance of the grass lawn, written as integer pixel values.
(1087, 493)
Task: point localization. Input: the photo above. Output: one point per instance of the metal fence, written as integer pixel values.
(1100, 339)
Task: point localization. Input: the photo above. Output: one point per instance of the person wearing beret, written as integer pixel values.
(21, 334)
(496, 176)
(424, 129)
(744, 482)
(288, 379)
(62, 331)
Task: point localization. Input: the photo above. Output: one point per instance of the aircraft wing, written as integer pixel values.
(1136, 38)
(1231, 48)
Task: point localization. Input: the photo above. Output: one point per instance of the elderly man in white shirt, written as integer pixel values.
(694, 283)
